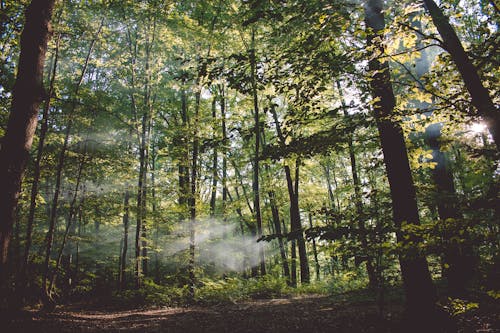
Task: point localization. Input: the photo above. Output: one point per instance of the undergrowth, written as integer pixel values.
(233, 289)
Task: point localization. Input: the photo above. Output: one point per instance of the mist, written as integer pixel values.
(218, 243)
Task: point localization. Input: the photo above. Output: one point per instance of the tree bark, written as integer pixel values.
(277, 226)
(26, 98)
(224, 150)
(193, 197)
(478, 92)
(293, 193)
(213, 195)
(255, 185)
(126, 220)
(315, 252)
(458, 259)
(420, 292)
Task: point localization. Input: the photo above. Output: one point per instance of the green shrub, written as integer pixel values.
(268, 286)
(151, 294)
(221, 291)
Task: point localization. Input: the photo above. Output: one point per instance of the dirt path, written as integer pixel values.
(311, 314)
(307, 314)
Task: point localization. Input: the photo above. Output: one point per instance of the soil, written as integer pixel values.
(299, 314)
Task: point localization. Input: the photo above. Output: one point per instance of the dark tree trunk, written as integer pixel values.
(479, 94)
(141, 250)
(126, 220)
(224, 150)
(458, 257)
(277, 228)
(293, 270)
(26, 98)
(293, 193)
(213, 195)
(420, 292)
(156, 222)
(255, 185)
(315, 251)
(192, 198)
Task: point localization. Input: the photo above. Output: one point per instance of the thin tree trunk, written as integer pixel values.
(315, 252)
(141, 254)
(126, 222)
(59, 170)
(154, 213)
(255, 185)
(77, 250)
(479, 94)
(251, 227)
(213, 196)
(224, 150)
(27, 95)
(296, 227)
(420, 292)
(293, 272)
(372, 277)
(71, 216)
(192, 201)
(37, 167)
(277, 228)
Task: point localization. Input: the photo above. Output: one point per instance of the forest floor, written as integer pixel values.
(306, 314)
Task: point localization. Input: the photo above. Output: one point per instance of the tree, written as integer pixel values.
(27, 96)
(420, 293)
(479, 94)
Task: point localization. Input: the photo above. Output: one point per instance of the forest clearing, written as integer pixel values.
(249, 165)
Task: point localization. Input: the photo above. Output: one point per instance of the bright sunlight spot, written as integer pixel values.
(478, 127)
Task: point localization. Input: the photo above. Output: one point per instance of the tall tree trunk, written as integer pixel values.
(71, 216)
(255, 185)
(77, 247)
(37, 167)
(293, 193)
(251, 226)
(141, 249)
(479, 94)
(126, 221)
(213, 195)
(363, 238)
(224, 150)
(315, 251)
(277, 228)
(276, 224)
(293, 265)
(59, 169)
(193, 196)
(156, 223)
(420, 292)
(458, 256)
(26, 98)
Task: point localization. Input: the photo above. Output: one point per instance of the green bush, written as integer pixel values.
(151, 294)
(236, 289)
(347, 281)
(268, 286)
(221, 291)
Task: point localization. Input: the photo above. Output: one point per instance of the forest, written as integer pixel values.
(250, 166)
